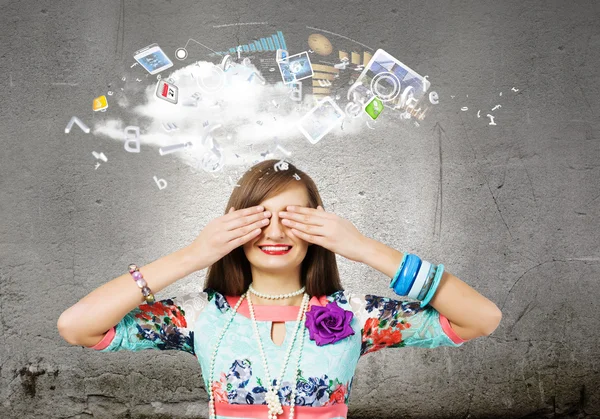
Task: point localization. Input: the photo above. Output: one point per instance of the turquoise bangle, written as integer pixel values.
(436, 282)
(395, 278)
(428, 282)
(407, 275)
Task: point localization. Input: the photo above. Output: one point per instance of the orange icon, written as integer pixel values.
(100, 103)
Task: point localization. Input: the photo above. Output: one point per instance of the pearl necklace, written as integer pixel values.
(301, 319)
(271, 397)
(211, 402)
(275, 297)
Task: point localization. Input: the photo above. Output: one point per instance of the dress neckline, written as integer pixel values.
(273, 313)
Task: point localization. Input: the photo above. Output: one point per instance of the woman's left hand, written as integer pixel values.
(325, 229)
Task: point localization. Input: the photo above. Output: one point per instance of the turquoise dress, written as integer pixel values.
(192, 323)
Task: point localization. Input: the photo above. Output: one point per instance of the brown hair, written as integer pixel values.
(231, 275)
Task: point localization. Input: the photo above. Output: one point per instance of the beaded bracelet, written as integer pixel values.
(141, 282)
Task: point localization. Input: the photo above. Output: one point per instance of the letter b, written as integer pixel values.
(162, 184)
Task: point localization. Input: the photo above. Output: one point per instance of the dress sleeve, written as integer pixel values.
(166, 324)
(386, 322)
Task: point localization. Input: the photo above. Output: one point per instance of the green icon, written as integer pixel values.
(374, 107)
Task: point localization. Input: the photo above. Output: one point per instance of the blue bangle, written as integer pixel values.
(407, 275)
(436, 282)
(395, 278)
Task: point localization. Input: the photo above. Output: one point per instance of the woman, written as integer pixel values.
(273, 330)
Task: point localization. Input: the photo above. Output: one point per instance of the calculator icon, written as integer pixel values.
(167, 91)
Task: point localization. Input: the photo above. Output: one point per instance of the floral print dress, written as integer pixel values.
(192, 323)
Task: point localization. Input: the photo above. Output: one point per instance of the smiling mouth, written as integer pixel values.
(271, 250)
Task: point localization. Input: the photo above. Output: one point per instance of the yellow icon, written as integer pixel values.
(100, 103)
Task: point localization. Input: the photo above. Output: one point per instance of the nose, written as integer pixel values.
(275, 227)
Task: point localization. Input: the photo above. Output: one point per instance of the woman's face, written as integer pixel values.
(276, 233)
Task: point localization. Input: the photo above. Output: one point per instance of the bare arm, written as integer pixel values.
(86, 322)
(471, 313)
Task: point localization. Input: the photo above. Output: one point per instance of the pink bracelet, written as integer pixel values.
(141, 282)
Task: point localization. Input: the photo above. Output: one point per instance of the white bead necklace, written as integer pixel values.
(271, 397)
(211, 402)
(275, 297)
(294, 385)
(272, 407)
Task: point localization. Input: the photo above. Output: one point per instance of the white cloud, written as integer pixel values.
(243, 109)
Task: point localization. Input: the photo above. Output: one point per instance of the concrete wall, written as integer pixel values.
(513, 211)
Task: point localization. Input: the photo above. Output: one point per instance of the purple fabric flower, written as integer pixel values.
(328, 324)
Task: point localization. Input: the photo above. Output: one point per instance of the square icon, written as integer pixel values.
(281, 55)
(100, 103)
(153, 59)
(295, 68)
(374, 107)
(320, 120)
(395, 84)
(167, 91)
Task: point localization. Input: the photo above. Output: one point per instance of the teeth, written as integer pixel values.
(274, 249)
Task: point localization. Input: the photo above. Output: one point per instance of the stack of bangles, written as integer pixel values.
(417, 279)
(141, 282)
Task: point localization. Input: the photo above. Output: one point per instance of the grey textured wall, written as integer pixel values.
(513, 210)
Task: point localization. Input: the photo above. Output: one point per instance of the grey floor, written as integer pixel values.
(512, 209)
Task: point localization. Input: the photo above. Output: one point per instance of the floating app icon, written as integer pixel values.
(153, 59)
(295, 68)
(281, 55)
(321, 119)
(100, 103)
(374, 107)
(167, 91)
(394, 83)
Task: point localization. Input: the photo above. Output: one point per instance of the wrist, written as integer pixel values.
(366, 248)
(190, 260)
(380, 257)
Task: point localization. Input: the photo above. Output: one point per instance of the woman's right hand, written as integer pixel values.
(225, 233)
